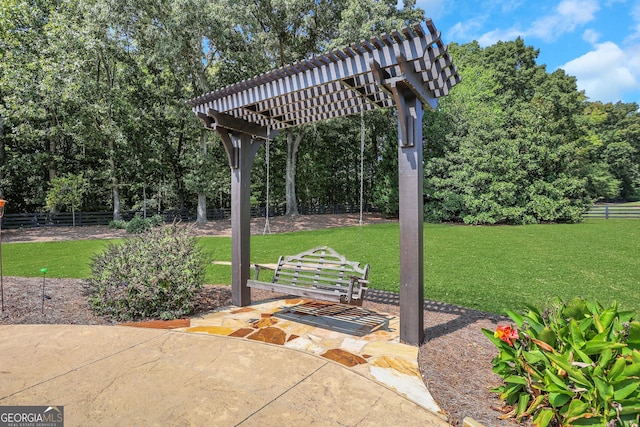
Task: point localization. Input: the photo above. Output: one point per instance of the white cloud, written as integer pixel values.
(466, 30)
(591, 36)
(510, 5)
(577, 12)
(568, 15)
(495, 36)
(606, 72)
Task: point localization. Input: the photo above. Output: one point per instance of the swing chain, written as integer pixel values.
(267, 228)
(362, 131)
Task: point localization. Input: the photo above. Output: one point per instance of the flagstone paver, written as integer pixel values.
(378, 355)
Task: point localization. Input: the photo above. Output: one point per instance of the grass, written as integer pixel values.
(69, 259)
(494, 268)
(487, 268)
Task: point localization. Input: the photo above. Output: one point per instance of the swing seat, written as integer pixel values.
(319, 273)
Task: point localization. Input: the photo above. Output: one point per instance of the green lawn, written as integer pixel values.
(488, 268)
(63, 259)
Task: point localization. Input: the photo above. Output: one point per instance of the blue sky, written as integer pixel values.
(597, 41)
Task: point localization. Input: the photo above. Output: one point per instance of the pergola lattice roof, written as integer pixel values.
(339, 83)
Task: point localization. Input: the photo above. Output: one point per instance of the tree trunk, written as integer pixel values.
(202, 209)
(116, 202)
(114, 181)
(293, 143)
(202, 197)
(178, 172)
(52, 162)
(144, 201)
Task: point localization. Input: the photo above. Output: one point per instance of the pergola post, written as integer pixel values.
(241, 150)
(410, 181)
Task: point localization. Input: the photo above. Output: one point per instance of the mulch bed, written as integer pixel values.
(455, 359)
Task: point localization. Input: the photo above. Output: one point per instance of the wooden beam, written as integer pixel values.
(229, 147)
(408, 79)
(234, 124)
(414, 82)
(206, 120)
(351, 84)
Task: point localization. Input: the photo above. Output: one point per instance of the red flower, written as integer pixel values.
(507, 334)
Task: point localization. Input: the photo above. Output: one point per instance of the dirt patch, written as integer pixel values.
(455, 360)
(279, 224)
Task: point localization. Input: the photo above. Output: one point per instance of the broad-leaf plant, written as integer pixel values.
(574, 364)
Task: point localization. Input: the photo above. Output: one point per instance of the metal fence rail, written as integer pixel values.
(611, 212)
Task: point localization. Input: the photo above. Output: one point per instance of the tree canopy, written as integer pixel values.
(97, 88)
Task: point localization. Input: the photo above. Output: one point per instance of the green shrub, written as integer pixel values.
(156, 220)
(154, 275)
(138, 225)
(386, 197)
(574, 364)
(118, 224)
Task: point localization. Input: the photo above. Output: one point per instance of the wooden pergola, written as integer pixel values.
(407, 69)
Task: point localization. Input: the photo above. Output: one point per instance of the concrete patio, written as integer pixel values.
(209, 374)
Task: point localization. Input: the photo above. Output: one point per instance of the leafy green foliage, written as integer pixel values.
(98, 87)
(386, 196)
(613, 147)
(362, 19)
(41, 56)
(154, 275)
(576, 363)
(502, 147)
(138, 224)
(118, 224)
(67, 191)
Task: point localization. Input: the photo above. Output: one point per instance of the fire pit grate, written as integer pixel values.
(335, 317)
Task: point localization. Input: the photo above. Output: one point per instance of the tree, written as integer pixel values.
(508, 148)
(289, 30)
(613, 150)
(67, 191)
(362, 19)
(174, 49)
(98, 87)
(39, 102)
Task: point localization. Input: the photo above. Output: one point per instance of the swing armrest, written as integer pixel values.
(259, 267)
